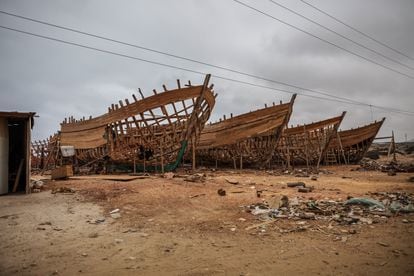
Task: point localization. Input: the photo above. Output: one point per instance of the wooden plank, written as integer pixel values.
(19, 173)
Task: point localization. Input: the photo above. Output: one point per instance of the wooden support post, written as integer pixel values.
(193, 146)
(342, 149)
(241, 162)
(135, 164)
(234, 163)
(162, 158)
(288, 158)
(394, 158)
(145, 159)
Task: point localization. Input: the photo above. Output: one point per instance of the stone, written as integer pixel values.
(93, 235)
(221, 192)
(169, 175)
(383, 244)
(314, 177)
(296, 184)
(304, 190)
(116, 215)
(114, 211)
(232, 181)
(352, 231)
(307, 215)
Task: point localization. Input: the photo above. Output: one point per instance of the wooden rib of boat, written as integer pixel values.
(307, 144)
(250, 137)
(44, 153)
(350, 146)
(152, 131)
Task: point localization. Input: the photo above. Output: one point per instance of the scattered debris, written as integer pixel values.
(305, 189)
(383, 244)
(168, 175)
(296, 184)
(193, 196)
(352, 211)
(93, 235)
(221, 192)
(116, 215)
(63, 190)
(388, 167)
(365, 201)
(232, 181)
(314, 177)
(36, 185)
(198, 177)
(114, 211)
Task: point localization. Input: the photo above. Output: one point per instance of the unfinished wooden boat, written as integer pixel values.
(251, 137)
(152, 132)
(350, 146)
(307, 144)
(44, 153)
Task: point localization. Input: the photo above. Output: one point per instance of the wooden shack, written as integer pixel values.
(15, 135)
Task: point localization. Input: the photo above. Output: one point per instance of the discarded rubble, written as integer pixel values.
(63, 190)
(352, 211)
(221, 192)
(198, 177)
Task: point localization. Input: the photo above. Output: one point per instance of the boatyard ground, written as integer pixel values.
(175, 227)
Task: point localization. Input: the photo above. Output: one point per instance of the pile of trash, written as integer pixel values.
(368, 210)
(36, 185)
(393, 166)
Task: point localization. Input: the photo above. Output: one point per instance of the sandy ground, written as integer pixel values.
(174, 227)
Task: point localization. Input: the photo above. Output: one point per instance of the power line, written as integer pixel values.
(409, 113)
(344, 37)
(358, 31)
(191, 60)
(174, 56)
(324, 40)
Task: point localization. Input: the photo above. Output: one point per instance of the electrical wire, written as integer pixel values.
(358, 31)
(176, 56)
(340, 35)
(399, 111)
(324, 40)
(189, 59)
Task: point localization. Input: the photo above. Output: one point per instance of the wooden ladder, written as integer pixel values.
(330, 158)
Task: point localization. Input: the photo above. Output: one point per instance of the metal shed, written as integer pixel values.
(15, 136)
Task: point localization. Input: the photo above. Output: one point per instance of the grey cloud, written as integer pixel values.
(58, 80)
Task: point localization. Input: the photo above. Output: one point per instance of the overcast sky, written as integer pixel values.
(56, 80)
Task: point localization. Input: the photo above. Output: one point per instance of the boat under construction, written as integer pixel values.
(152, 133)
(249, 138)
(306, 144)
(350, 146)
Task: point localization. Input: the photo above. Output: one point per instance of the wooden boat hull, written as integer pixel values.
(350, 146)
(250, 137)
(306, 144)
(152, 132)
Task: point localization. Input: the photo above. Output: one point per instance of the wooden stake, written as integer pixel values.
(241, 162)
(193, 152)
(19, 173)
